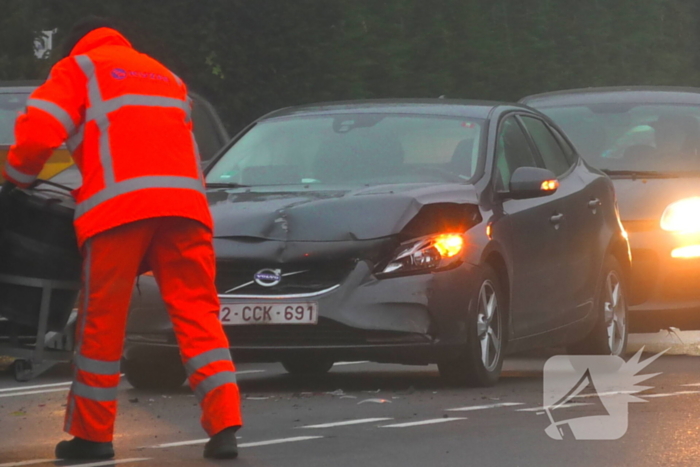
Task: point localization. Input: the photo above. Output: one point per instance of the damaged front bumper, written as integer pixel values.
(417, 319)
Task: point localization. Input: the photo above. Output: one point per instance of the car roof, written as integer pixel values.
(616, 95)
(442, 107)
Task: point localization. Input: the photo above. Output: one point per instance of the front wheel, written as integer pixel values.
(609, 335)
(482, 360)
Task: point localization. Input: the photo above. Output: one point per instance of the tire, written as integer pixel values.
(610, 332)
(154, 373)
(308, 367)
(486, 328)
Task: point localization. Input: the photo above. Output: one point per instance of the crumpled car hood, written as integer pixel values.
(326, 214)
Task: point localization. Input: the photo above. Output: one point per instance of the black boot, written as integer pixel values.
(79, 448)
(222, 445)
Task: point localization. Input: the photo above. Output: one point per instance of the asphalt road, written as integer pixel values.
(368, 415)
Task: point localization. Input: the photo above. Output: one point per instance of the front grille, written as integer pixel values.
(326, 333)
(682, 285)
(238, 279)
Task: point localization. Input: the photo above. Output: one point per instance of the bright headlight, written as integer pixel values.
(426, 254)
(682, 216)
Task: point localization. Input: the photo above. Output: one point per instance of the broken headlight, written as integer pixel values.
(426, 254)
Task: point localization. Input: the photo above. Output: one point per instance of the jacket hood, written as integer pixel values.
(98, 38)
(327, 215)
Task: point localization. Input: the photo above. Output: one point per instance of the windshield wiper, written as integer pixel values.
(226, 185)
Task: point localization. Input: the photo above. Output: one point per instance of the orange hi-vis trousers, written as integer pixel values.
(179, 252)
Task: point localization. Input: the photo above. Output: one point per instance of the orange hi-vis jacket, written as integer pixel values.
(126, 120)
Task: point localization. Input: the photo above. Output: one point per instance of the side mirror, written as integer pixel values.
(532, 182)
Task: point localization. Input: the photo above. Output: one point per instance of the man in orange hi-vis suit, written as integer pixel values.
(126, 119)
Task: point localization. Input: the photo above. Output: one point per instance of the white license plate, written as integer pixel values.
(269, 313)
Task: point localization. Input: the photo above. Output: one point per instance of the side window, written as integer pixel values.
(569, 150)
(512, 151)
(552, 153)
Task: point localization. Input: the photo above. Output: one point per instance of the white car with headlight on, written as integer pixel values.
(647, 139)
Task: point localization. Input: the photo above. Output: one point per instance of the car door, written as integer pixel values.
(587, 242)
(536, 241)
(570, 296)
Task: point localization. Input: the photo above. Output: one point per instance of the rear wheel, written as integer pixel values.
(307, 366)
(482, 360)
(609, 335)
(158, 373)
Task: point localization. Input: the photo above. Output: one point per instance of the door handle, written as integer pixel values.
(594, 204)
(556, 219)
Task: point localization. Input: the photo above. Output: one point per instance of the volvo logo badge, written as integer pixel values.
(268, 277)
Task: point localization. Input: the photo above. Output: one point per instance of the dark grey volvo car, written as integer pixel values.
(415, 232)
(647, 139)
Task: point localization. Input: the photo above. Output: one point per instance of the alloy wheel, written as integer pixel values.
(615, 313)
(488, 326)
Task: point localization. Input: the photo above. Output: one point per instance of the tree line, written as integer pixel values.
(252, 56)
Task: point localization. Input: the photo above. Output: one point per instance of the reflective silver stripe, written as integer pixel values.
(135, 184)
(91, 392)
(213, 382)
(106, 152)
(88, 69)
(204, 359)
(56, 111)
(76, 140)
(97, 367)
(101, 110)
(17, 175)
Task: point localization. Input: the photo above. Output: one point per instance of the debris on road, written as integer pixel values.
(374, 401)
(135, 400)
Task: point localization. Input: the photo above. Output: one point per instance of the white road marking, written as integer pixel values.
(349, 363)
(27, 393)
(487, 406)
(248, 372)
(679, 393)
(114, 461)
(244, 445)
(347, 422)
(278, 441)
(24, 388)
(423, 422)
(94, 464)
(181, 443)
(609, 393)
(36, 461)
(690, 385)
(540, 409)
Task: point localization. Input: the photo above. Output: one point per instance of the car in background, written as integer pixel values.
(414, 232)
(210, 134)
(13, 99)
(647, 139)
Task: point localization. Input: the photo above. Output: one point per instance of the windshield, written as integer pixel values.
(353, 148)
(628, 137)
(10, 106)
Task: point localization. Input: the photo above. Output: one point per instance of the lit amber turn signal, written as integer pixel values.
(449, 245)
(549, 185)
